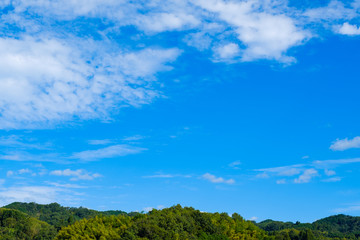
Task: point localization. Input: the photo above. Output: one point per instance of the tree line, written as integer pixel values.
(52, 221)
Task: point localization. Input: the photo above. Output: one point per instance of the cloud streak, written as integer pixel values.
(107, 152)
(75, 175)
(213, 179)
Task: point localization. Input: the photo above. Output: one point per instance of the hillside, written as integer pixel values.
(17, 225)
(338, 226)
(52, 221)
(56, 215)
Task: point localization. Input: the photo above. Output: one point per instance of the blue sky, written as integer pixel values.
(229, 106)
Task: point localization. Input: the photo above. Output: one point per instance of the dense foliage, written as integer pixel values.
(170, 223)
(56, 215)
(45, 222)
(17, 225)
(333, 227)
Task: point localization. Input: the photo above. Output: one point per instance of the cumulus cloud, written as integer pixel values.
(264, 33)
(212, 178)
(59, 76)
(349, 29)
(75, 175)
(107, 152)
(226, 52)
(344, 144)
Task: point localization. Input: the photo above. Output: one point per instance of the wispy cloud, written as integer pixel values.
(329, 172)
(235, 165)
(307, 175)
(212, 178)
(344, 144)
(100, 142)
(291, 170)
(335, 162)
(20, 142)
(88, 78)
(72, 85)
(107, 152)
(75, 175)
(333, 179)
(281, 181)
(134, 138)
(67, 185)
(352, 208)
(39, 194)
(304, 173)
(167, 176)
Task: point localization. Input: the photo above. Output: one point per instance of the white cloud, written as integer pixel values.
(107, 152)
(349, 29)
(211, 178)
(161, 176)
(262, 175)
(265, 34)
(281, 181)
(333, 11)
(333, 179)
(133, 138)
(161, 22)
(228, 51)
(75, 175)
(50, 80)
(331, 163)
(24, 170)
(100, 142)
(4, 3)
(344, 144)
(283, 171)
(306, 176)
(354, 208)
(20, 142)
(329, 172)
(20, 172)
(38, 194)
(148, 209)
(235, 164)
(67, 185)
(253, 218)
(168, 176)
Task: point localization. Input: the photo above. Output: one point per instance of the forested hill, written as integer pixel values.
(56, 215)
(44, 222)
(338, 226)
